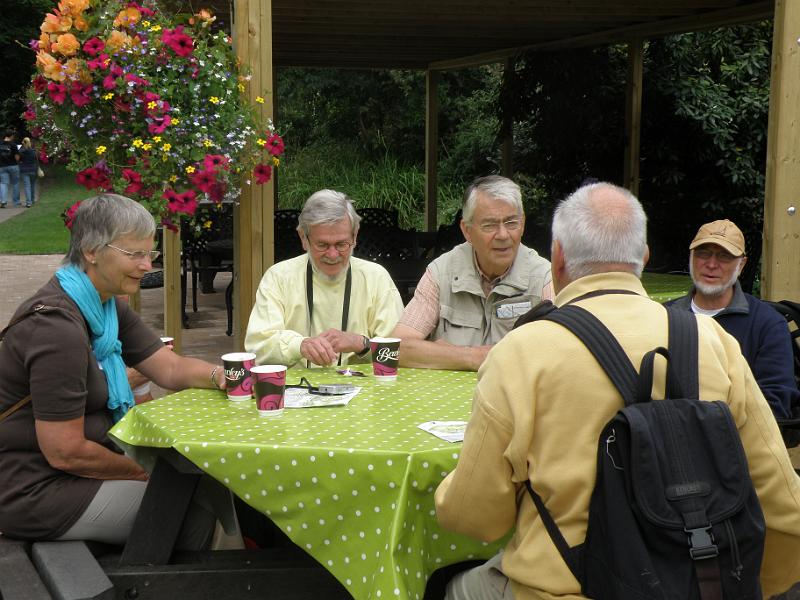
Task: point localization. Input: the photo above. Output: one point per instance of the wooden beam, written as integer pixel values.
(780, 275)
(507, 148)
(173, 311)
(633, 115)
(431, 147)
(739, 15)
(253, 229)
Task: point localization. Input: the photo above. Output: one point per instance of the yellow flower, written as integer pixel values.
(241, 87)
(207, 225)
(155, 28)
(157, 138)
(145, 23)
(207, 143)
(259, 99)
(147, 146)
(108, 96)
(173, 178)
(137, 143)
(190, 169)
(164, 158)
(276, 161)
(214, 100)
(175, 121)
(151, 105)
(166, 147)
(261, 142)
(100, 149)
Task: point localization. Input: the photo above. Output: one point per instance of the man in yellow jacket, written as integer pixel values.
(542, 400)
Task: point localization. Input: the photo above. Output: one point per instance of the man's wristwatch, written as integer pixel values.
(365, 349)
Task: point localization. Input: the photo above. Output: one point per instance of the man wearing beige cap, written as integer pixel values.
(717, 256)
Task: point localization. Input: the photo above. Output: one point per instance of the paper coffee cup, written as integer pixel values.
(269, 382)
(385, 355)
(168, 341)
(237, 375)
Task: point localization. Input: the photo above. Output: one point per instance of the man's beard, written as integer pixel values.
(714, 290)
(336, 261)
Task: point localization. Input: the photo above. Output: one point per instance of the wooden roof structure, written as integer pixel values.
(435, 35)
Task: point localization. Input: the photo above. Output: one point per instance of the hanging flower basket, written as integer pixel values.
(148, 105)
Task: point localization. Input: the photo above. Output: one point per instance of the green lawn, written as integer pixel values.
(40, 230)
(662, 287)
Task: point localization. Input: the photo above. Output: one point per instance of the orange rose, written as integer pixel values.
(66, 45)
(73, 7)
(117, 40)
(44, 42)
(80, 23)
(50, 67)
(75, 69)
(56, 23)
(127, 17)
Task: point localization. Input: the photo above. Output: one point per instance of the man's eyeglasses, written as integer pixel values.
(323, 247)
(138, 255)
(722, 256)
(494, 226)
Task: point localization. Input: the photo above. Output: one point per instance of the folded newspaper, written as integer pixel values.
(302, 398)
(449, 431)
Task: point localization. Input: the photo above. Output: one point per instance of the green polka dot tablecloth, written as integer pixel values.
(352, 485)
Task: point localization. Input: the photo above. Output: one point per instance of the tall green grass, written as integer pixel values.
(40, 229)
(380, 182)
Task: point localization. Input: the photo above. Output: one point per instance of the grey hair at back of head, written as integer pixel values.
(593, 236)
(102, 219)
(494, 186)
(327, 207)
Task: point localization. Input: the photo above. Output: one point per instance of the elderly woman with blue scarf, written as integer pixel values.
(60, 476)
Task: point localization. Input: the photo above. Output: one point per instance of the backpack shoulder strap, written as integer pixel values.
(602, 344)
(683, 352)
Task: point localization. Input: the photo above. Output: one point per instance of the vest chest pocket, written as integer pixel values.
(460, 327)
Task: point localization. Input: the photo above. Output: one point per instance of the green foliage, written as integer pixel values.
(40, 230)
(381, 182)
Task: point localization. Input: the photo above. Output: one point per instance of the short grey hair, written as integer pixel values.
(495, 187)
(592, 237)
(102, 219)
(327, 207)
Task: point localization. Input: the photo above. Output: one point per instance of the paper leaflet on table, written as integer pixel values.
(302, 398)
(449, 431)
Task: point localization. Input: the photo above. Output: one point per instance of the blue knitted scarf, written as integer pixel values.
(104, 326)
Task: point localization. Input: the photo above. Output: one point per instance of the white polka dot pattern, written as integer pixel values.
(352, 485)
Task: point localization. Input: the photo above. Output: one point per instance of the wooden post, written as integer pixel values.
(780, 276)
(431, 146)
(507, 149)
(253, 218)
(633, 115)
(173, 311)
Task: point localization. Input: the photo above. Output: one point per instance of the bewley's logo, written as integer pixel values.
(385, 354)
(234, 374)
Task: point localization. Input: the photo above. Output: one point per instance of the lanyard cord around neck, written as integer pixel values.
(348, 284)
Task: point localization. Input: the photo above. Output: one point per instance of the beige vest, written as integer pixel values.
(466, 316)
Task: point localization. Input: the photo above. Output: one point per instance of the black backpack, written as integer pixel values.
(673, 514)
(790, 428)
(6, 153)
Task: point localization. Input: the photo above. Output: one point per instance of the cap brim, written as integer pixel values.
(733, 249)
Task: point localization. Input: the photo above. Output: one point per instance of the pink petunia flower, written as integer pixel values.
(109, 82)
(29, 114)
(177, 41)
(69, 214)
(159, 125)
(39, 84)
(93, 46)
(212, 161)
(203, 180)
(80, 93)
(262, 173)
(57, 91)
(134, 180)
(275, 145)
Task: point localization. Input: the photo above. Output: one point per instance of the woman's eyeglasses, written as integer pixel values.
(138, 255)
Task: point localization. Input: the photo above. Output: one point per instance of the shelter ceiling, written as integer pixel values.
(420, 33)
